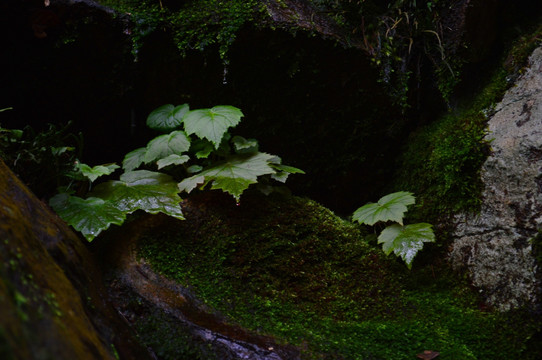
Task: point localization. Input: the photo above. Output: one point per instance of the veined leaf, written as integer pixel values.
(142, 190)
(280, 176)
(89, 216)
(243, 145)
(194, 169)
(133, 159)
(390, 207)
(282, 171)
(234, 175)
(167, 117)
(287, 168)
(213, 123)
(406, 241)
(162, 146)
(191, 183)
(233, 186)
(172, 159)
(202, 148)
(92, 173)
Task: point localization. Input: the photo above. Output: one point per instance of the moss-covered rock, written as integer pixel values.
(494, 244)
(52, 303)
(285, 270)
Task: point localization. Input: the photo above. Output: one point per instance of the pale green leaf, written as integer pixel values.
(233, 186)
(282, 171)
(194, 169)
(202, 148)
(212, 124)
(235, 174)
(172, 159)
(142, 190)
(205, 152)
(248, 166)
(167, 117)
(89, 216)
(162, 146)
(191, 183)
(133, 159)
(391, 207)
(243, 145)
(92, 173)
(387, 237)
(406, 241)
(287, 168)
(280, 176)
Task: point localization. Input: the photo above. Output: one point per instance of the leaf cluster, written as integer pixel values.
(195, 151)
(404, 240)
(40, 159)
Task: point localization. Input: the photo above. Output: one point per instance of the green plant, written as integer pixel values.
(195, 25)
(404, 240)
(196, 151)
(40, 159)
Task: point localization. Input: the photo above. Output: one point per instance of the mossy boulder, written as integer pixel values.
(261, 262)
(276, 249)
(495, 245)
(52, 304)
(282, 277)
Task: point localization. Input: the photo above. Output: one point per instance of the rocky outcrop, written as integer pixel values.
(495, 246)
(52, 304)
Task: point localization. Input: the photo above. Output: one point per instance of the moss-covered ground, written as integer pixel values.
(287, 267)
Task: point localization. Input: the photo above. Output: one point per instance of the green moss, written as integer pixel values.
(441, 162)
(522, 49)
(195, 25)
(289, 268)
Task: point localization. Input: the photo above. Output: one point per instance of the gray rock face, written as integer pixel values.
(494, 246)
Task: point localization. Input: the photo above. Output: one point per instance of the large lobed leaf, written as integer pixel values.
(92, 173)
(142, 190)
(391, 207)
(133, 159)
(213, 123)
(172, 159)
(162, 146)
(234, 175)
(89, 216)
(159, 148)
(167, 117)
(283, 171)
(406, 241)
(243, 145)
